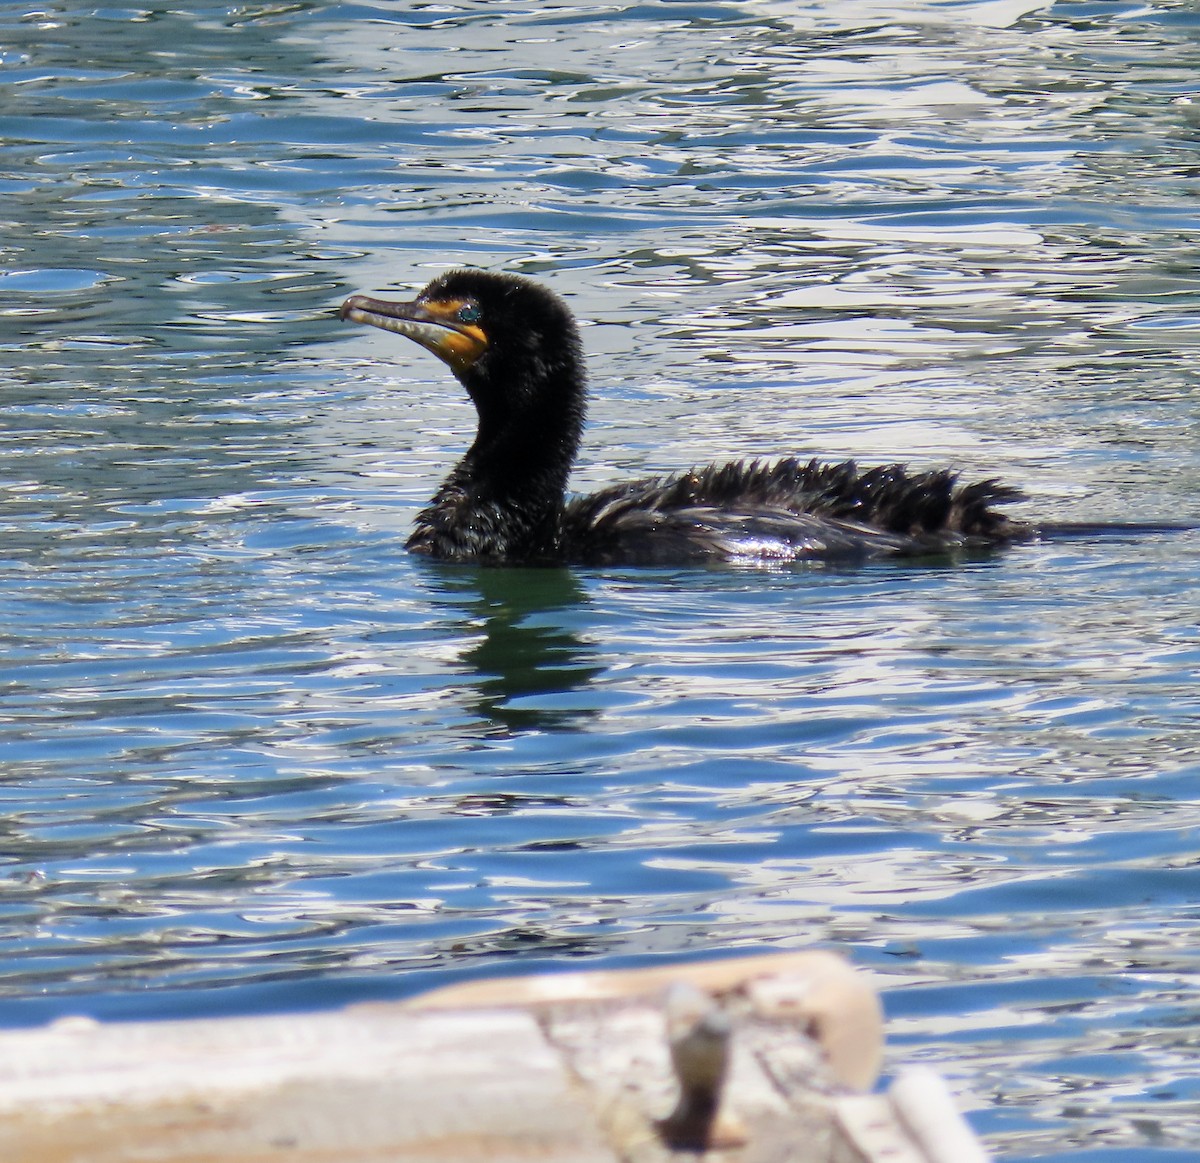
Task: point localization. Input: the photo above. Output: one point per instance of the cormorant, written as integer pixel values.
(513, 344)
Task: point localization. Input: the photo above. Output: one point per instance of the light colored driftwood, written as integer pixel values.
(750, 1060)
(814, 989)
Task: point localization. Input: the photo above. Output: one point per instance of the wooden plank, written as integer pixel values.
(313, 1088)
(753, 1060)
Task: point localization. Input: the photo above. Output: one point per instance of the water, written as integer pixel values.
(257, 758)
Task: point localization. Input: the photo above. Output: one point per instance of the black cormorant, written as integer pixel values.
(514, 346)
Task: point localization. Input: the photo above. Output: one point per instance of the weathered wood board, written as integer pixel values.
(772, 1056)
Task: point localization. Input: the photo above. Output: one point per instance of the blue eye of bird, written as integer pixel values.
(468, 313)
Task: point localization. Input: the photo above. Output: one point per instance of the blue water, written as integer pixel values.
(256, 757)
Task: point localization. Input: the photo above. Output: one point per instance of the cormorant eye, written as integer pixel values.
(468, 313)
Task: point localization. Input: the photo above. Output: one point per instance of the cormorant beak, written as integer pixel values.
(435, 325)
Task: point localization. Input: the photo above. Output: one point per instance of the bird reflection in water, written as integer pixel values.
(529, 659)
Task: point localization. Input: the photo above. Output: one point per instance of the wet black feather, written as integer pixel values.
(787, 510)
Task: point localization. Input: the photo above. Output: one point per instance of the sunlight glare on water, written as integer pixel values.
(257, 757)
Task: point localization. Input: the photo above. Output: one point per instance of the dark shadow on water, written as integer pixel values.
(529, 652)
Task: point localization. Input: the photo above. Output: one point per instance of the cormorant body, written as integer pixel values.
(514, 346)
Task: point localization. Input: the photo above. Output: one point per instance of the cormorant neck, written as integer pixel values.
(504, 498)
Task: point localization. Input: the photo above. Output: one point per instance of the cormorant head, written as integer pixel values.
(511, 342)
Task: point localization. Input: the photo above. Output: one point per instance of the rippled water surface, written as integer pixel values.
(256, 757)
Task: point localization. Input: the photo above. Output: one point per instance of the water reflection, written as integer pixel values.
(526, 658)
(136, 238)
